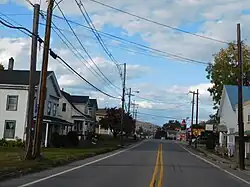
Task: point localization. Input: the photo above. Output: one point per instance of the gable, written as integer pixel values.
(53, 88)
(232, 93)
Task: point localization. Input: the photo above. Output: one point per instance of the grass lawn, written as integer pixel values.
(12, 163)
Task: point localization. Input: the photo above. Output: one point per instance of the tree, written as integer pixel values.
(172, 125)
(140, 130)
(112, 121)
(1, 67)
(224, 70)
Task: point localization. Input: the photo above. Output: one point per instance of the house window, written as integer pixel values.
(9, 130)
(90, 111)
(12, 101)
(54, 109)
(64, 107)
(49, 108)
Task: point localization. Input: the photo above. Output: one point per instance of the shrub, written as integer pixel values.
(56, 140)
(73, 138)
(12, 143)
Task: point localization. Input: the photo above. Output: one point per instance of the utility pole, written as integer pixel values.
(240, 107)
(123, 102)
(197, 107)
(129, 100)
(192, 119)
(42, 94)
(33, 58)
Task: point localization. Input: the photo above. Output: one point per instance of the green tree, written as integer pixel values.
(224, 70)
(172, 125)
(112, 121)
(1, 67)
(140, 130)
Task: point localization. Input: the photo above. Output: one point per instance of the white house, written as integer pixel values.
(79, 111)
(227, 113)
(14, 85)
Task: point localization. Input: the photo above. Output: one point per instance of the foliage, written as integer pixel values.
(72, 137)
(112, 121)
(12, 143)
(140, 130)
(1, 67)
(160, 133)
(172, 125)
(224, 70)
(70, 140)
(56, 140)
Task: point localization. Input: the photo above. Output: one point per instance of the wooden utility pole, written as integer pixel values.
(31, 95)
(42, 94)
(192, 119)
(129, 100)
(123, 102)
(240, 107)
(197, 107)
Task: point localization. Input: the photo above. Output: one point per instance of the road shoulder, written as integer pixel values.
(56, 171)
(224, 167)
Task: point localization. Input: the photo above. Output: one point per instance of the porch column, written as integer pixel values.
(99, 129)
(46, 135)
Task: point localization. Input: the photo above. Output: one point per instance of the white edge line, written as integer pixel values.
(218, 167)
(78, 167)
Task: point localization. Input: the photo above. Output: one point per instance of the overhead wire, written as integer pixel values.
(123, 46)
(75, 53)
(55, 56)
(158, 23)
(138, 44)
(79, 41)
(159, 116)
(97, 35)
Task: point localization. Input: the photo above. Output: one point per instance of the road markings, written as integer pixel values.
(78, 167)
(216, 166)
(153, 180)
(158, 171)
(161, 170)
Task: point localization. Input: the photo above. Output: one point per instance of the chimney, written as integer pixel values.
(11, 64)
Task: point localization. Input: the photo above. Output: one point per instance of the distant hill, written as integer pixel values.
(146, 126)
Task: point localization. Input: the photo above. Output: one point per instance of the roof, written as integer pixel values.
(71, 100)
(101, 111)
(19, 77)
(79, 99)
(232, 92)
(53, 119)
(93, 103)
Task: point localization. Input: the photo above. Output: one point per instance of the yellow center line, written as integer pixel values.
(153, 180)
(161, 169)
(159, 162)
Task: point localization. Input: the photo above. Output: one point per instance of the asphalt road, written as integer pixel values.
(166, 162)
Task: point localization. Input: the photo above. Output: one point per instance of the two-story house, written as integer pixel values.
(228, 115)
(101, 113)
(14, 86)
(79, 111)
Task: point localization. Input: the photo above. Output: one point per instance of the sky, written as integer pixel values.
(162, 79)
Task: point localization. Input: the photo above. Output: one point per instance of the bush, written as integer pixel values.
(72, 138)
(56, 140)
(12, 143)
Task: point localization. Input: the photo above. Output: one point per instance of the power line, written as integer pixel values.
(29, 2)
(168, 117)
(138, 44)
(55, 56)
(22, 29)
(83, 46)
(75, 54)
(123, 46)
(97, 35)
(158, 23)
